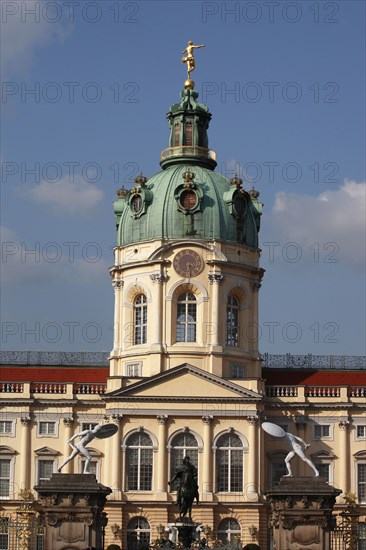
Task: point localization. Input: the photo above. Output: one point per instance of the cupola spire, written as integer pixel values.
(189, 121)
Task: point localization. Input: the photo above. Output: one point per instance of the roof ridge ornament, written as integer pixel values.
(191, 62)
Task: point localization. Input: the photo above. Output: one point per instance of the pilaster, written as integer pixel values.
(252, 482)
(207, 488)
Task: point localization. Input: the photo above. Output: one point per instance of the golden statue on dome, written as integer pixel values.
(190, 60)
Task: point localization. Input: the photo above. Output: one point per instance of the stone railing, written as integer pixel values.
(53, 388)
(11, 387)
(89, 389)
(47, 387)
(330, 392)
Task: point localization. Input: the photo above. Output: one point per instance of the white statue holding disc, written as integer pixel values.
(101, 431)
(298, 446)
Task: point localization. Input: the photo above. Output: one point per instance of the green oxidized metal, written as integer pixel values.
(188, 198)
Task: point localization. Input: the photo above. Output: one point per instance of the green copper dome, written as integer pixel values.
(188, 199)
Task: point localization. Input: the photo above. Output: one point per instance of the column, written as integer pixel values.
(303, 468)
(252, 482)
(215, 280)
(25, 456)
(253, 344)
(67, 449)
(157, 308)
(344, 463)
(118, 343)
(162, 466)
(206, 475)
(116, 463)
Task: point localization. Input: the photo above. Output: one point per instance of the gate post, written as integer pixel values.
(301, 513)
(72, 511)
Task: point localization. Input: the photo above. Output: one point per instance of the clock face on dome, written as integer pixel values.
(188, 263)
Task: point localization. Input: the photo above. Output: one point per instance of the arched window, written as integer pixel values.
(232, 321)
(228, 529)
(138, 534)
(140, 319)
(229, 463)
(139, 461)
(186, 317)
(183, 444)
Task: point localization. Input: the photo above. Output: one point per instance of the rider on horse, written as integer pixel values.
(188, 488)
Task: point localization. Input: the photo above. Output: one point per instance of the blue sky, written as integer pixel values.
(85, 89)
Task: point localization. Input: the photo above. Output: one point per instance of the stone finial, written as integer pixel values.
(188, 177)
(254, 194)
(121, 193)
(236, 181)
(141, 180)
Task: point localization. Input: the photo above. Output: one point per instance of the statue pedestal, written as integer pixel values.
(183, 531)
(301, 513)
(71, 509)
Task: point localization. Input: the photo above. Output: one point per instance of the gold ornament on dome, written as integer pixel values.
(191, 62)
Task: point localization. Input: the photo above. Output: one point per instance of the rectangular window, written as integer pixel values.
(237, 371)
(324, 470)
(5, 478)
(188, 140)
(322, 431)
(45, 470)
(88, 425)
(4, 533)
(278, 469)
(133, 370)
(47, 428)
(92, 467)
(361, 483)
(176, 134)
(361, 432)
(6, 426)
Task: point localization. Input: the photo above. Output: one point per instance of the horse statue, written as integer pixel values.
(187, 489)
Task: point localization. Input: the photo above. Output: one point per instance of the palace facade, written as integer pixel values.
(185, 375)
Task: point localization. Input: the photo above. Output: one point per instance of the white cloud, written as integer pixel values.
(47, 263)
(73, 197)
(27, 26)
(330, 217)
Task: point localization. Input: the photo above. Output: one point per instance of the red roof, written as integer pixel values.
(312, 377)
(54, 374)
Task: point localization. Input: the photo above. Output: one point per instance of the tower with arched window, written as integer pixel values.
(186, 272)
(184, 370)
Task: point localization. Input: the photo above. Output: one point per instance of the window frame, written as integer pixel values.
(10, 433)
(135, 367)
(140, 328)
(186, 451)
(88, 426)
(321, 437)
(186, 324)
(230, 308)
(47, 423)
(9, 478)
(42, 460)
(138, 532)
(128, 462)
(360, 462)
(229, 533)
(360, 437)
(229, 451)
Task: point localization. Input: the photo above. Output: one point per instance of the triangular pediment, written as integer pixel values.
(182, 383)
(46, 451)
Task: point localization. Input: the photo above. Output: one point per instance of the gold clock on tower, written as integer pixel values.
(188, 263)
